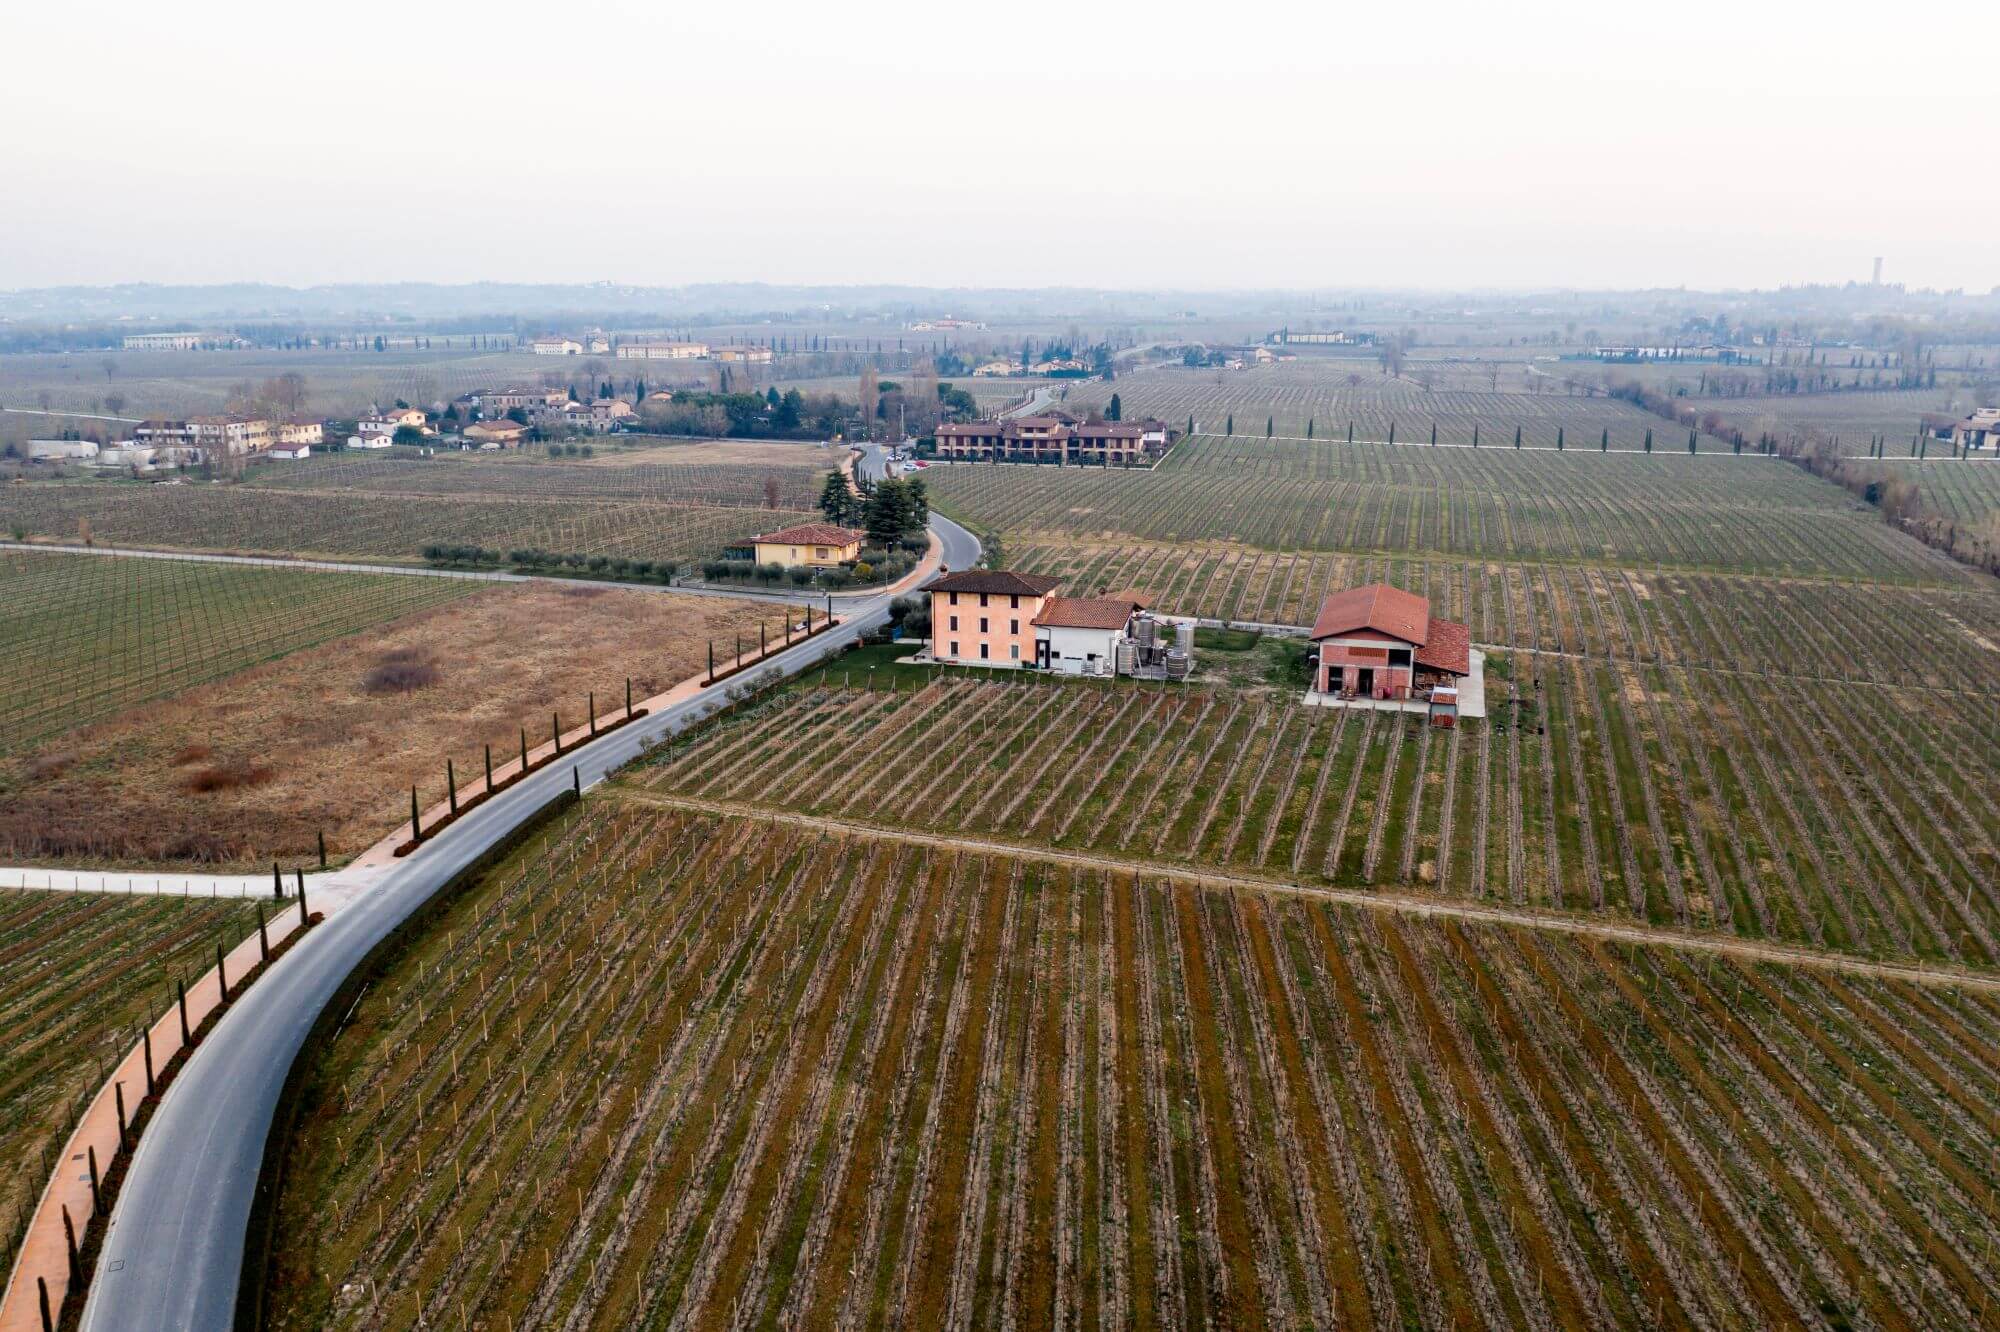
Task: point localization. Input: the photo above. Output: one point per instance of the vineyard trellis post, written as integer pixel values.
(489, 769)
(118, 1097)
(524, 751)
(221, 974)
(451, 787)
(146, 1044)
(181, 998)
(96, 1198)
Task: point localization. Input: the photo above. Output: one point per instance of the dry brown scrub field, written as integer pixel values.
(670, 1071)
(252, 767)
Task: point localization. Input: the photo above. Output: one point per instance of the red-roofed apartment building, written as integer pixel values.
(1381, 643)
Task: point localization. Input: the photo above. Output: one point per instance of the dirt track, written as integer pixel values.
(1396, 900)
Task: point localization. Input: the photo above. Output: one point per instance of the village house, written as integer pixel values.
(299, 430)
(662, 351)
(219, 435)
(1080, 635)
(1379, 644)
(502, 434)
(993, 370)
(1053, 438)
(744, 355)
(556, 347)
(386, 423)
(985, 617)
(501, 401)
(814, 545)
(291, 452)
(1978, 430)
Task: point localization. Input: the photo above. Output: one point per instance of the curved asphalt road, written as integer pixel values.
(174, 1254)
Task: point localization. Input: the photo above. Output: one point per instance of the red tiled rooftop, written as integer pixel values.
(1384, 609)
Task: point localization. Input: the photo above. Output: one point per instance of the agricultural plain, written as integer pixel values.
(1700, 799)
(1329, 395)
(80, 974)
(1743, 514)
(329, 740)
(668, 1070)
(84, 636)
(366, 525)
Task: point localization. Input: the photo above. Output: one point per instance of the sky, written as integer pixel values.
(1029, 144)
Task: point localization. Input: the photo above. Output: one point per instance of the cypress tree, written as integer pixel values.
(1517, 437)
(1270, 426)
(1229, 425)
(1604, 441)
(1559, 439)
(1309, 427)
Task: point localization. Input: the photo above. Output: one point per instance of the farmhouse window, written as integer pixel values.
(954, 624)
(983, 654)
(982, 598)
(1015, 652)
(954, 598)
(954, 647)
(1014, 603)
(982, 624)
(1013, 626)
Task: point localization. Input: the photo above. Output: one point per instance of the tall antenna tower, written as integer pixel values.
(1878, 270)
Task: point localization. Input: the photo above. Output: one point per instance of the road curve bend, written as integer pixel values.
(173, 1257)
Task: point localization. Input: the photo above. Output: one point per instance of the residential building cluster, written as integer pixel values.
(996, 617)
(1054, 437)
(1375, 646)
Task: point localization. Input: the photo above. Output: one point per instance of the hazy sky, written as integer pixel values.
(1023, 143)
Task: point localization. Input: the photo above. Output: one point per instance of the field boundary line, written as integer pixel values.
(1394, 901)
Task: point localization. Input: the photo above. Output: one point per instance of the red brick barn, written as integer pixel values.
(1380, 642)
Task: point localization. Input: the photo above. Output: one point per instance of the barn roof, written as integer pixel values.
(1086, 613)
(1384, 609)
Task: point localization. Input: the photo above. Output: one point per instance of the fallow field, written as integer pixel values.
(665, 1070)
(80, 974)
(257, 764)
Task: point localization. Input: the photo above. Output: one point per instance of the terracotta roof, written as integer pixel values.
(1385, 609)
(812, 534)
(1086, 613)
(995, 582)
(1449, 648)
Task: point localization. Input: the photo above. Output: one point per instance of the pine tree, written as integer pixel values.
(835, 500)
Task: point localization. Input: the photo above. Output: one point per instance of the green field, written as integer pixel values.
(85, 636)
(80, 974)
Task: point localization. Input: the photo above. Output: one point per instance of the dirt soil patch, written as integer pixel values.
(251, 768)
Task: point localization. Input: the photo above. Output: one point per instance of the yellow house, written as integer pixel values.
(817, 545)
